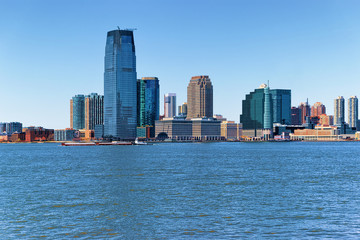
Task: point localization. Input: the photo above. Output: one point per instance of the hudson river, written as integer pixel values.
(180, 191)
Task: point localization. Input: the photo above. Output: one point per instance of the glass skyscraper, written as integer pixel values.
(281, 99)
(339, 110)
(77, 112)
(148, 101)
(120, 85)
(254, 107)
(94, 110)
(353, 107)
(263, 107)
(170, 105)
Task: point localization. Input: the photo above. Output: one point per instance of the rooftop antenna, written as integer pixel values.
(118, 28)
(268, 84)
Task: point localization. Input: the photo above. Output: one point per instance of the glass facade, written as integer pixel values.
(12, 127)
(253, 109)
(353, 111)
(263, 107)
(94, 110)
(78, 112)
(281, 99)
(120, 99)
(148, 101)
(296, 116)
(170, 105)
(339, 110)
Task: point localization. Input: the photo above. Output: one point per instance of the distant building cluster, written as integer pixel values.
(267, 115)
(130, 109)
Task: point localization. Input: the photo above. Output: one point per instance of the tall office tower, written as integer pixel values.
(170, 105)
(257, 110)
(295, 116)
(94, 110)
(77, 112)
(200, 97)
(339, 110)
(353, 108)
(148, 106)
(305, 111)
(317, 109)
(281, 99)
(182, 110)
(120, 85)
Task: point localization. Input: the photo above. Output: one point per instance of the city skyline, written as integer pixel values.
(290, 44)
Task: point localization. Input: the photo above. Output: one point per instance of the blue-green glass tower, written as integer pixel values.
(257, 110)
(120, 85)
(281, 99)
(148, 101)
(78, 112)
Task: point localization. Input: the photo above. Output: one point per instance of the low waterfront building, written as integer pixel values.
(145, 132)
(206, 129)
(231, 130)
(4, 137)
(357, 136)
(86, 134)
(34, 134)
(321, 133)
(174, 128)
(17, 137)
(64, 134)
(180, 129)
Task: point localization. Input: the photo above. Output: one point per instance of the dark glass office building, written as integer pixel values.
(263, 107)
(281, 104)
(77, 112)
(148, 102)
(296, 116)
(120, 85)
(257, 110)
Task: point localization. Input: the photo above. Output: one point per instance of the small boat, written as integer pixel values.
(139, 143)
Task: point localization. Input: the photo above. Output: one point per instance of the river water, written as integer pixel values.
(180, 191)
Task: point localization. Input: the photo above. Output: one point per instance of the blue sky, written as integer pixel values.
(52, 50)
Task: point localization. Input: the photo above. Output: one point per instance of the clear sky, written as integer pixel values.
(52, 50)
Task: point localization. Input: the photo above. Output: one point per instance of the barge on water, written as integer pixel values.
(96, 144)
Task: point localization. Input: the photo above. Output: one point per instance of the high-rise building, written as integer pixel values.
(13, 127)
(120, 85)
(86, 111)
(257, 111)
(77, 112)
(296, 116)
(339, 110)
(281, 102)
(318, 109)
(94, 110)
(326, 120)
(170, 105)
(200, 97)
(2, 127)
(353, 108)
(148, 106)
(305, 111)
(183, 109)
